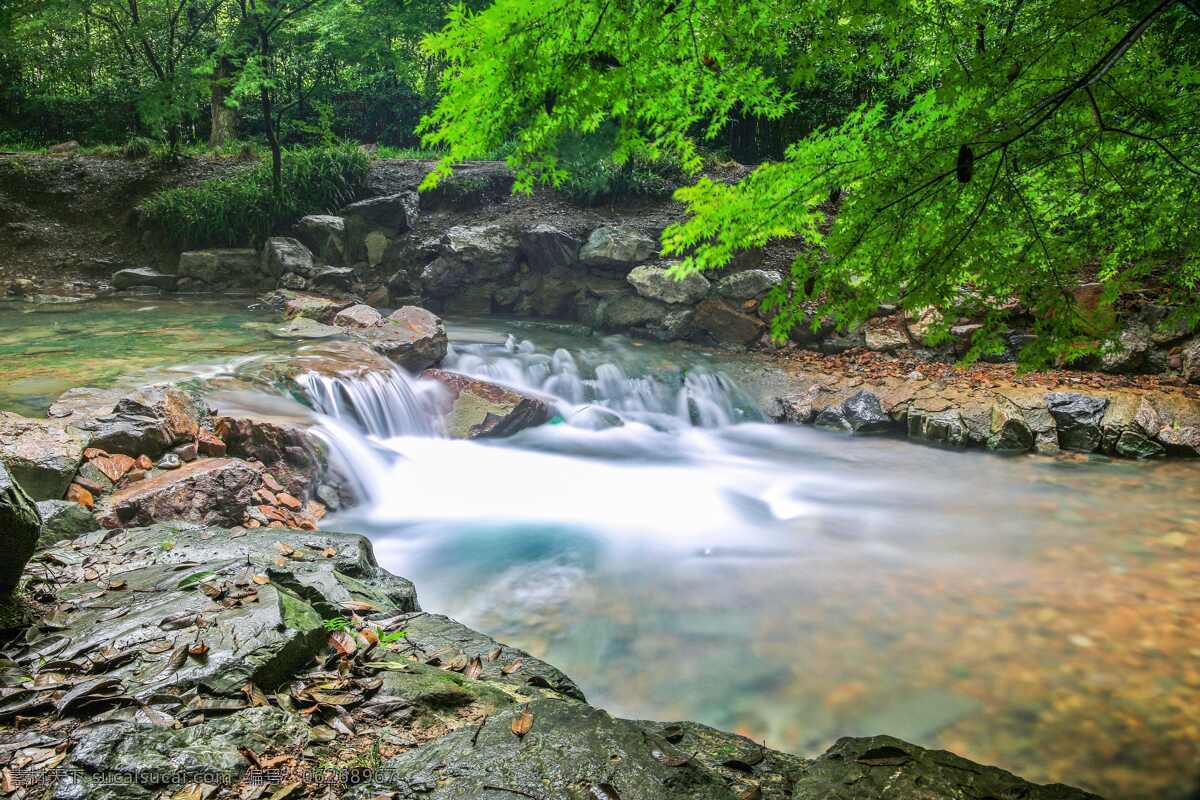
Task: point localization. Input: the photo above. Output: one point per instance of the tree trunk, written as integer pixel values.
(224, 118)
(264, 96)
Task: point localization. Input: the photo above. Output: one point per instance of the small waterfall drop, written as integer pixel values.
(381, 405)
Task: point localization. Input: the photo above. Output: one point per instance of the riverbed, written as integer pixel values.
(680, 557)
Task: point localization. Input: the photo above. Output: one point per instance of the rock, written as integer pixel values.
(283, 449)
(41, 454)
(865, 414)
(1078, 417)
(675, 325)
(372, 225)
(726, 323)
(129, 278)
(1181, 439)
(942, 427)
(64, 149)
(282, 254)
(546, 248)
(1009, 433)
(883, 767)
(1191, 360)
(187, 453)
(797, 409)
(80, 496)
(170, 461)
(656, 283)
(63, 519)
(617, 247)
(751, 284)
(221, 267)
(840, 341)
(291, 280)
(468, 255)
(631, 311)
(359, 316)
(20, 524)
(412, 337)
(1130, 350)
(325, 236)
(336, 278)
(885, 334)
(1132, 444)
(297, 305)
(135, 759)
(209, 445)
(151, 420)
(305, 328)
(476, 409)
(213, 491)
(569, 752)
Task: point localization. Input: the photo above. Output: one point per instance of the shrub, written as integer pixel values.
(241, 209)
(137, 147)
(593, 177)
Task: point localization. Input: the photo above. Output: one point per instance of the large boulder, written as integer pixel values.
(142, 277)
(617, 247)
(885, 334)
(372, 225)
(860, 413)
(477, 409)
(214, 491)
(20, 524)
(1078, 418)
(726, 323)
(1010, 432)
(547, 248)
(626, 311)
(325, 236)
(150, 421)
(749, 284)
(357, 317)
(1128, 352)
(42, 454)
(656, 283)
(62, 520)
(281, 446)
(282, 255)
(410, 336)
(221, 267)
(302, 304)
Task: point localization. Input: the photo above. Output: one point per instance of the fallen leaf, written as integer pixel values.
(342, 642)
(198, 650)
(261, 580)
(474, 669)
(512, 666)
(523, 722)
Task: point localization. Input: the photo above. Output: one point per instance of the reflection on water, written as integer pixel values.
(798, 586)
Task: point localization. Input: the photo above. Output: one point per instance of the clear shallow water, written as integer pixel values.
(798, 586)
(47, 349)
(794, 585)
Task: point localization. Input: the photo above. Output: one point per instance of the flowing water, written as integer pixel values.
(681, 558)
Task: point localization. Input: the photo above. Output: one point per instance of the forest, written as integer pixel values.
(600, 399)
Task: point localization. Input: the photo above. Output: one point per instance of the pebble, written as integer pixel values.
(170, 461)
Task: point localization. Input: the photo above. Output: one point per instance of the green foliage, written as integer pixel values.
(339, 624)
(387, 637)
(998, 153)
(242, 209)
(137, 147)
(594, 177)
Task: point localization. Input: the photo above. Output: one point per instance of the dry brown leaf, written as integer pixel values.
(342, 642)
(494, 654)
(198, 650)
(474, 669)
(261, 580)
(512, 666)
(523, 722)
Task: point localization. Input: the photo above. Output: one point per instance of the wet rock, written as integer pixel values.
(675, 325)
(282, 255)
(411, 336)
(297, 305)
(187, 452)
(726, 323)
(865, 414)
(631, 311)
(656, 283)
(944, 426)
(213, 491)
(357, 316)
(1010, 433)
(325, 236)
(1183, 440)
(130, 278)
(63, 519)
(335, 278)
(149, 756)
(546, 248)
(150, 421)
(884, 767)
(841, 341)
(569, 752)
(1078, 417)
(209, 445)
(19, 527)
(221, 267)
(1130, 350)
(750, 284)
(283, 449)
(305, 328)
(291, 280)
(468, 256)
(617, 247)
(1132, 444)
(475, 409)
(42, 454)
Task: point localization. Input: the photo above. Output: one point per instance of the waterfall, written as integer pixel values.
(381, 405)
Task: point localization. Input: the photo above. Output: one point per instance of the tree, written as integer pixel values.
(1012, 145)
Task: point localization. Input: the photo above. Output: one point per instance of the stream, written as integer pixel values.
(680, 557)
